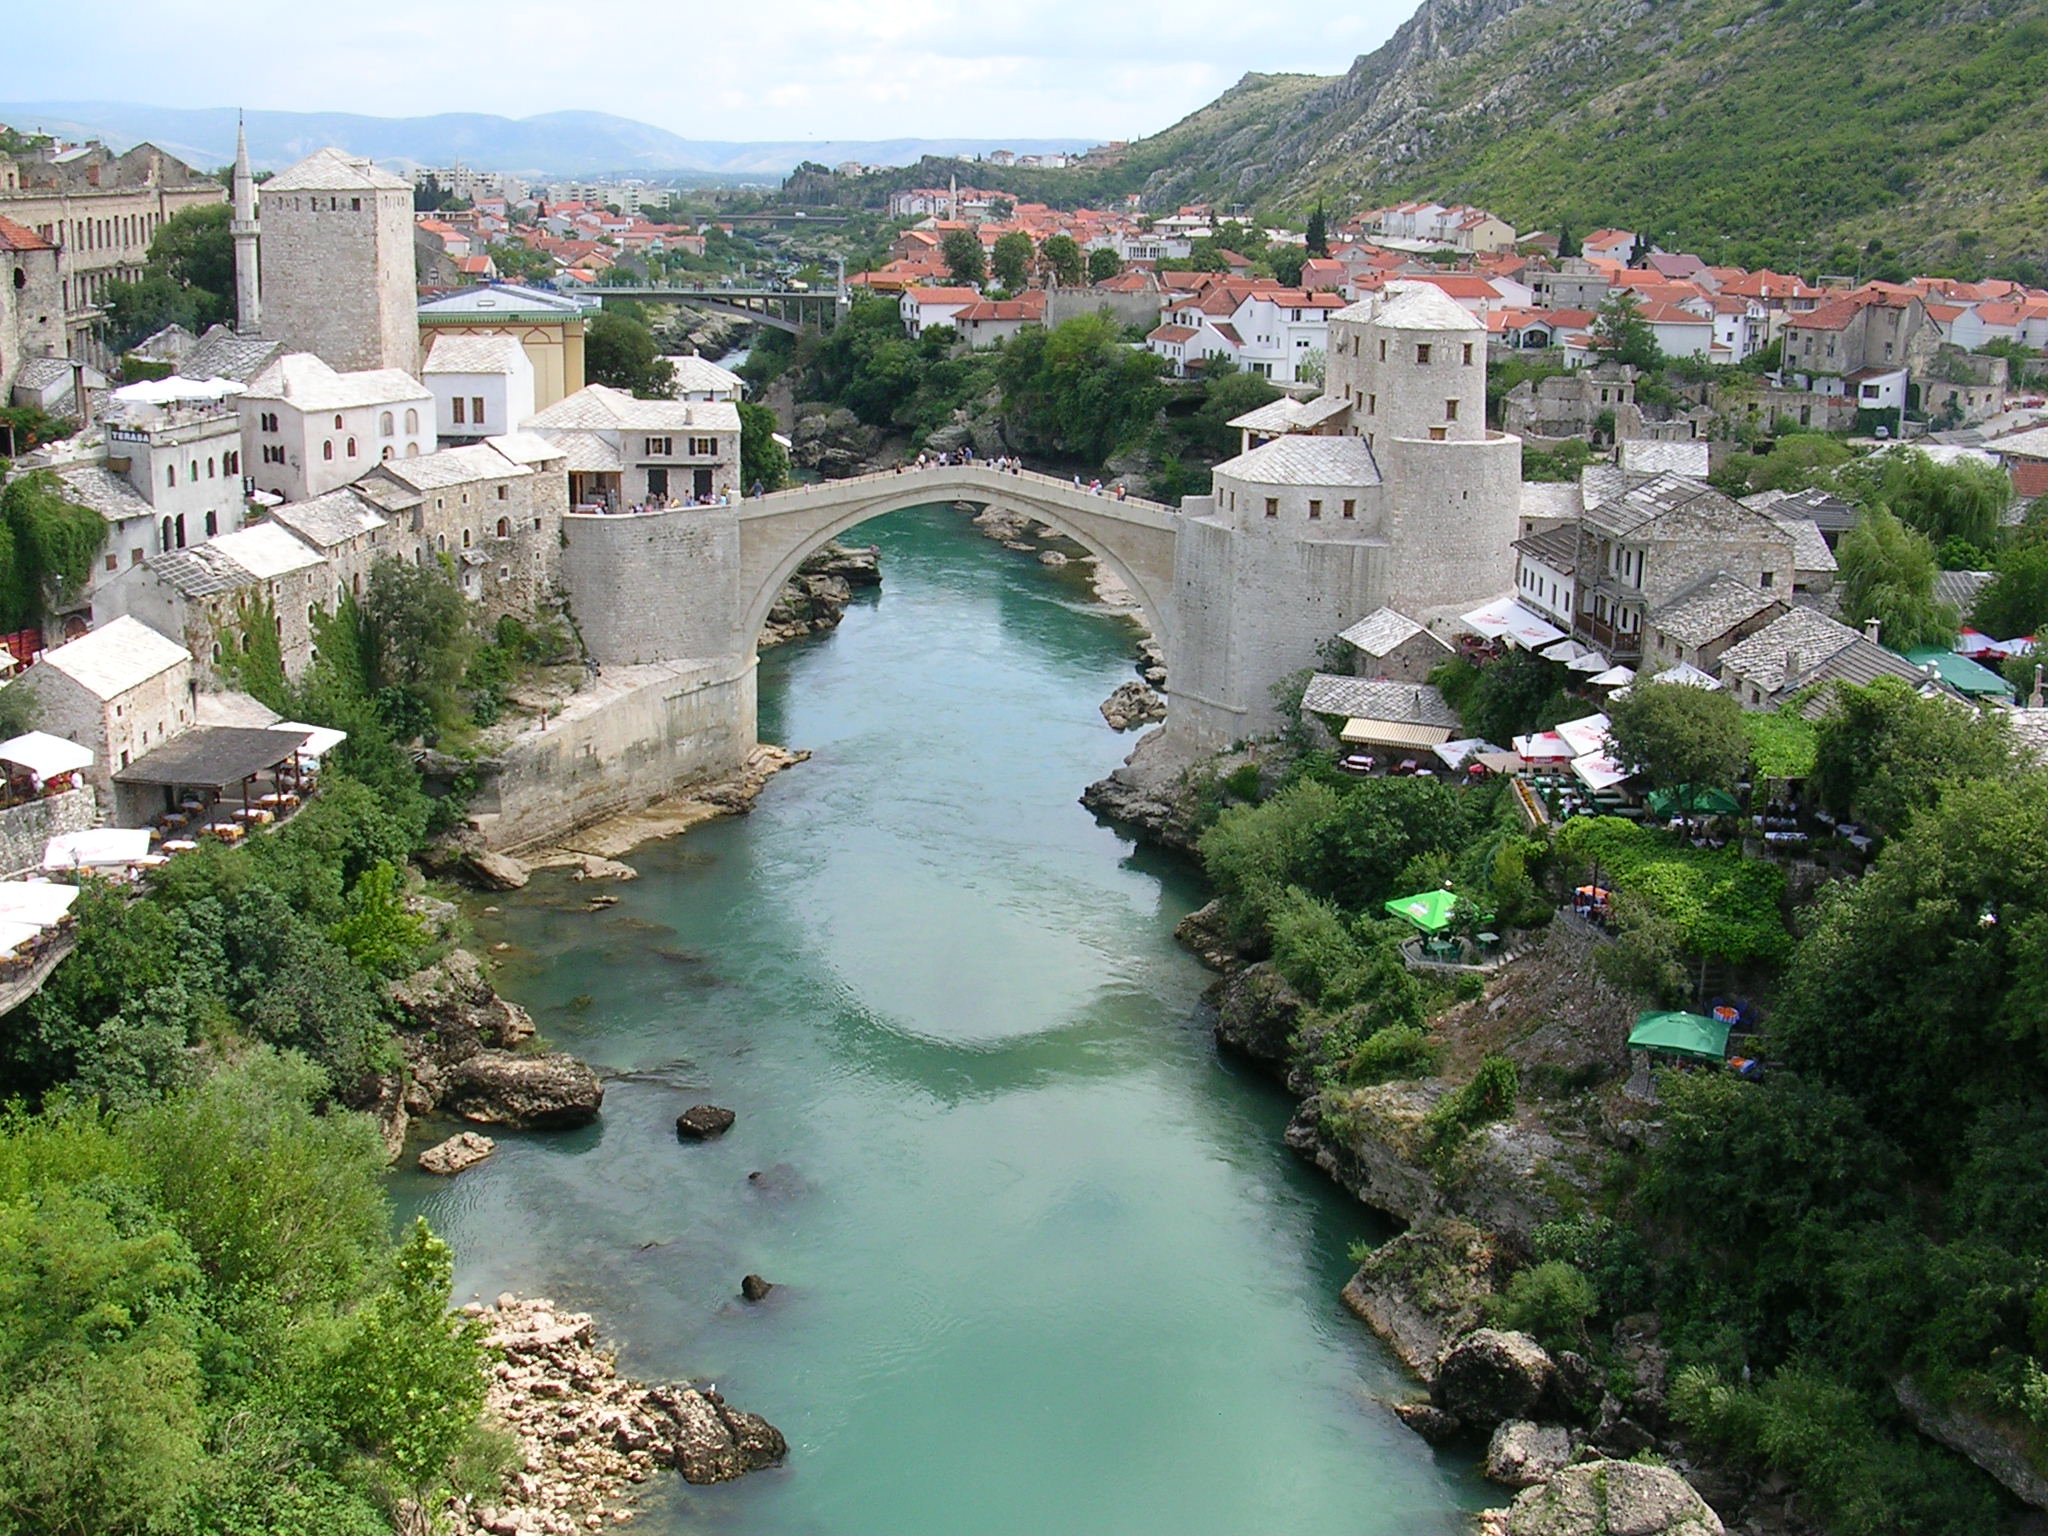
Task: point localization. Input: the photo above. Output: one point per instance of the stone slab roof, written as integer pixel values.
(1556, 546)
(1377, 699)
(599, 408)
(1809, 638)
(1411, 306)
(1810, 550)
(222, 354)
(1711, 607)
(1383, 631)
(115, 658)
(701, 375)
(1552, 502)
(1961, 588)
(525, 447)
(333, 170)
(265, 550)
(330, 520)
(495, 353)
(586, 453)
(1620, 516)
(1274, 416)
(306, 383)
(96, 486)
(1651, 457)
(453, 466)
(1295, 459)
(1828, 512)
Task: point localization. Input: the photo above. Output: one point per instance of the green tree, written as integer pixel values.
(1798, 461)
(139, 309)
(1887, 574)
(619, 351)
(1318, 236)
(1078, 389)
(2015, 601)
(1224, 399)
(47, 547)
(1679, 736)
(1286, 262)
(418, 627)
(1011, 259)
(1883, 754)
(1622, 335)
(194, 249)
(964, 257)
(1103, 264)
(1964, 500)
(1063, 255)
(763, 461)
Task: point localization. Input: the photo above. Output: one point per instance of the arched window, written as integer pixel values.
(216, 650)
(351, 447)
(170, 474)
(386, 452)
(167, 533)
(412, 420)
(441, 541)
(337, 423)
(412, 450)
(209, 469)
(384, 424)
(355, 584)
(212, 524)
(465, 538)
(504, 528)
(327, 449)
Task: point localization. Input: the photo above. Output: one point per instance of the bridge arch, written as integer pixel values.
(1133, 539)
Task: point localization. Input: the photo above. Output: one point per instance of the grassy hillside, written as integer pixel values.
(1792, 132)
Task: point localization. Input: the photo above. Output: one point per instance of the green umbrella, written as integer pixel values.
(1428, 910)
(1692, 801)
(1681, 1034)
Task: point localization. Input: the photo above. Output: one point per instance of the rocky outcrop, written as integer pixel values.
(494, 871)
(1490, 1376)
(1421, 1290)
(1994, 1448)
(530, 1092)
(816, 597)
(701, 1122)
(1522, 1454)
(589, 1438)
(465, 1149)
(1613, 1498)
(1131, 705)
(1206, 931)
(1256, 1012)
(833, 441)
(453, 1005)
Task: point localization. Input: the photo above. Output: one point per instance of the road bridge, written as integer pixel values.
(778, 308)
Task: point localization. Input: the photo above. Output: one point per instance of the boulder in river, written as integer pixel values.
(701, 1122)
(1522, 1454)
(1429, 1421)
(465, 1149)
(553, 1091)
(495, 871)
(705, 1440)
(753, 1287)
(1490, 1376)
(1613, 1498)
(1132, 704)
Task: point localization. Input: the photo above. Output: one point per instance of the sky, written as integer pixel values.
(706, 69)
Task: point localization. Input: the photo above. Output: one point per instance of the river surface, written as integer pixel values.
(1042, 1263)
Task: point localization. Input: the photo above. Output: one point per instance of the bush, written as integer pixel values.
(1552, 1302)
(1394, 1052)
(1488, 1097)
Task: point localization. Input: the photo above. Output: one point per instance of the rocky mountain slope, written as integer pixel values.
(1793, 131)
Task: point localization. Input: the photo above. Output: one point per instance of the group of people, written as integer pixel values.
(1094, 488)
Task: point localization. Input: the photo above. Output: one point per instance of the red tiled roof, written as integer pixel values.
(1173, 333)
(18, 237)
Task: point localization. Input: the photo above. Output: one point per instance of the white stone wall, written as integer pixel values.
(655, 587)
(402, 430)
(188, 471)
(338, 276)
(507, 401)
(117, 731)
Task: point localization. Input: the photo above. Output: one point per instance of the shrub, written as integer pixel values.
(1488, 1097)
(1552, 1302)
(1397, 1051)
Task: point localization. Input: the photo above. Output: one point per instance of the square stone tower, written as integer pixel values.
(337, 263)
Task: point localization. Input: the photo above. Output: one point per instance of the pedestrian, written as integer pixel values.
(760, 490)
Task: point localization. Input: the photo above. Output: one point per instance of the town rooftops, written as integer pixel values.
(1412, 306)
(453, 466)
(1370, 698)
(528, 448)
(18, 237)
(2030, 444)
(1280, 415)
(225, 354)
(1810, 550)
(1619, 516)
(1296, 459)
(116, 657)
(1828, 512)
(1801, 648)
(332, 170)
(1710, 607)
(330, 520)
(305, 382)
(700, 375)
(600, 408)
(95, 486)
(1384, 631)
(1647, 456)
(497, 353)
(1556, 546)
(265, 550)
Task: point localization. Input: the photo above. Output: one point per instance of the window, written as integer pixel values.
(1450, 410)
(412, 420)
(1350, 507)
(465, 538)
(504, 527)
(351, 447)
(1468, 354)
(355, 205)
(1770, 578)
(501, 493)
(1439, 434)
(476, 409)
(135, 557)
(212, 524)
(385, 453)
(232, 464)
(1383, 349)
(1372, 405)
(209, 469)
(460, 406)
(170, 474)
(164, 534)
(659, 448)
(337, 423)
(1272, 506)
(384, 424)
(1421, 352)
(327, 449)
(703, 447)
(1315, 509)
(113, 562)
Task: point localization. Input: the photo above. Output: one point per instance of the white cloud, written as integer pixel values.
(796, 69)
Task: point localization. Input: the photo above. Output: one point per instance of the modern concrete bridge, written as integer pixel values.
(778, 308)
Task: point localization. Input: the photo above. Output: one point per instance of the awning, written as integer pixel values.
(35, 901)
(1597, 771)
(1501, 762)
(1691, 1035)
(1545, 745)
(1615, 677)
(104, 847)
(1428, 910)
(13, 935)
(1566, 650)
(1586, 734)
(1685, 672)
(45, 755)
(320, 739)
(1589, 661)
(1455, 752)
(1393, 733)
(1506, 618)
(1961, 673)
(213, 757)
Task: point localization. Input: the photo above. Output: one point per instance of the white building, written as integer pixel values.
(923, 308)
(698, 378)
(622, 452)
(482, 386)
(120, 691)
(307, 429)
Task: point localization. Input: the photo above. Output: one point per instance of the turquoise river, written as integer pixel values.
(1042, 1262)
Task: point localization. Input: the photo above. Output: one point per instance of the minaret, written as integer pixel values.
(243, 226)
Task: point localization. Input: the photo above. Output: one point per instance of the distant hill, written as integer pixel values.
(1792, 130)
(553, 144)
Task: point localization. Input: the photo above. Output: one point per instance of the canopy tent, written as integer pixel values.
(44, 755)
(320, 739)
(1590, 662)
(1504, 618)
(1544, 746)
(1500, 762)
(1428, 910)
(1404, 734)
(1684, 673)
(1598, 772)
(1974, 642)
(1692, 1035)
(1614, 677)
(170, 390)
(1961, 673)
(13, 935)
(1566, 650)
(103, 847)
(40, 902)
(1689, 800)
(1455, 752)
(1586, 734)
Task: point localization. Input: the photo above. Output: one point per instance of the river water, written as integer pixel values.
(1042, 1263)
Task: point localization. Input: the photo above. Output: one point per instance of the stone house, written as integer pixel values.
(1572, 404)
(57, 386)
(346, 529)
(1696, 626)
(185, 458)
(482, 386)
(338, 270)
(699, 378)
(31, 301)
(120, 691)
(1546, 566)
(621, 452)
(1386, 643)
(1804, 649)
(210, 595)
(307, 429)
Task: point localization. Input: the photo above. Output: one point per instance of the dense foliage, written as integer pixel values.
(188, 280)
(47, 547)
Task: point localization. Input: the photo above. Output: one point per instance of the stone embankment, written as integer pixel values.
(816, 597)
(589, 1440)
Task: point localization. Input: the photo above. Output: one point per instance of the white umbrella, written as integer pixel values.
(104, 847)
(35, 901)
(45, 755)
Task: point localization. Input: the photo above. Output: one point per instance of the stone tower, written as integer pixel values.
(337, 263)
(244, 228)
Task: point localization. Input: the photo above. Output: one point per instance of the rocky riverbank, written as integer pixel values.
(816, 597)
(590, 1441)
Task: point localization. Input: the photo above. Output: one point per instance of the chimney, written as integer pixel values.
(1871, 627)
(1791, 669)
(2034, 700)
